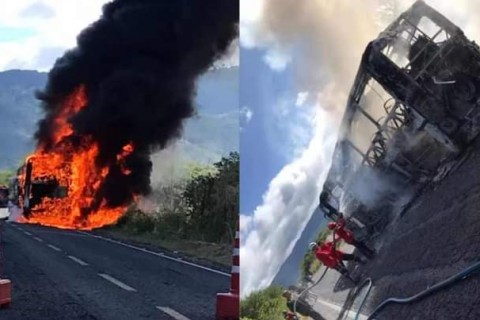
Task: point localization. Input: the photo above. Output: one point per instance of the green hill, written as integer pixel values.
(207, 136)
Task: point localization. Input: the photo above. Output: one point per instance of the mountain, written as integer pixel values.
(19, 113)
(212, 133)
(290, 272)
(215, 128)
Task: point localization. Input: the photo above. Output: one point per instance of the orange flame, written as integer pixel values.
(75, 170)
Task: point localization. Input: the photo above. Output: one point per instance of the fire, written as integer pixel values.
(72, 172)
(126, 150)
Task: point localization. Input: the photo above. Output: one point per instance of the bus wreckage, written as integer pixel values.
(411, 113)
(29, 190)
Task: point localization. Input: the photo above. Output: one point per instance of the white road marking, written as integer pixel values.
(350, 314)
(176, 315)
(54, 248)
(61, 232)
(80, 262)
(116, 282)
(158, 254)
(27, 233)
(38, 239)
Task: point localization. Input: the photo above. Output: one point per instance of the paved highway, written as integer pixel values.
(64, 274)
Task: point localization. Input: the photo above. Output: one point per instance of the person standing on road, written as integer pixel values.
(333, 258)
(346, 235)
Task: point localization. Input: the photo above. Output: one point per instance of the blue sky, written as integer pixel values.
(279, 170)
(262, 156)
(8, 33)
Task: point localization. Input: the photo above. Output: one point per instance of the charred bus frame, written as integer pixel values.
(414, 106)
(30, 189)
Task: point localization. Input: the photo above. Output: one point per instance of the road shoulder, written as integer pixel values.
(215, 256)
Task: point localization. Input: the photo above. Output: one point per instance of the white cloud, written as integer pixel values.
(301, 98)
(54, 27)
(39, 10)
(269, 235)
(246, 114)
(277, 60)
(250, 14)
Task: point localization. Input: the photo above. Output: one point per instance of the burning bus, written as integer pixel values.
(412, 111)
(33, 189)
(61, 184)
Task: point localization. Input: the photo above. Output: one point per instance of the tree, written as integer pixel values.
(212, 200)
(5, 175)
(204, 205)
(226, 197)
(197, 196)
(266, 304)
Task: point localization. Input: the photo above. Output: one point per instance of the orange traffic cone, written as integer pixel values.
(5, 284)
(5, 293)
(228, 304)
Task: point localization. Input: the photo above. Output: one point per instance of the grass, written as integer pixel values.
(315, 266)
(217, 254)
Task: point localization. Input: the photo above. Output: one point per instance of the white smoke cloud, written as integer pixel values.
(324, 40)
(273, 229)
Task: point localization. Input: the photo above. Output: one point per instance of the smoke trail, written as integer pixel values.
(324, 41)
(138, 64)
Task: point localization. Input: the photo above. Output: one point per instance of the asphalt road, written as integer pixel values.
(329, 295)
(63, 274)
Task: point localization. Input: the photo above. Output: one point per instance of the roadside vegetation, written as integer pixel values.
(266, 304)
(5, 175)
(196, 214)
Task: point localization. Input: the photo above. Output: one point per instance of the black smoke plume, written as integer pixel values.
(138, 63)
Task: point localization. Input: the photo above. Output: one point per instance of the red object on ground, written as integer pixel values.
(328, 255)
(5, 284)
(228, 304)
(5, 292)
